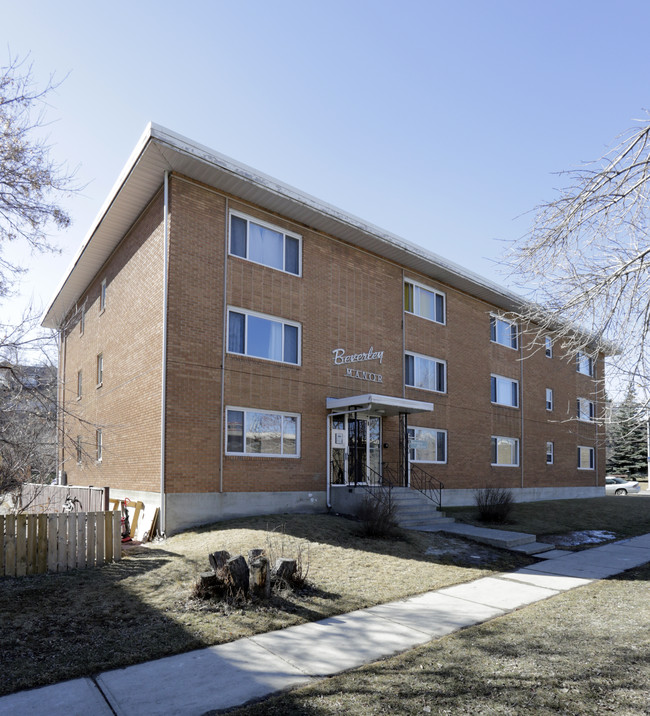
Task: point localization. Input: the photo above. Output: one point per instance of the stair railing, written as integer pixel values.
(427, 484)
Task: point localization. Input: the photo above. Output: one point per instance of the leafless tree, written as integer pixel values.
(32, 185)
(586, 261)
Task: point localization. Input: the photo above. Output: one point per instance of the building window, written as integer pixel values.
(100, 370)
(585, 458)
(262, 433)
(549, 453)
(505, 391)
(427, 445)
(505, 451)
(425, 373)
(82, 321)
(586, 410)
(99, 444)
(79, 450)
(254, 334)
(424, 302)
(264, 244)
(503, 332)
(548, 347)
(549, 399)
(102, 296)
(585, 364)
(79, 384)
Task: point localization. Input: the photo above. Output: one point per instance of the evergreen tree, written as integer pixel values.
(628, 438)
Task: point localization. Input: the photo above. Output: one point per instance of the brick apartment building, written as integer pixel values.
(230, 345)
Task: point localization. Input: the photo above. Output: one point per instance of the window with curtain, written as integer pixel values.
(425, 373)
(265, 244)
(254, 334)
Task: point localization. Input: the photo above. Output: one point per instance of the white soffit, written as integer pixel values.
(378, 404)
(159, 149)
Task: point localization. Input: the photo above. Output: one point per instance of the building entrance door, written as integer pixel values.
(356, 449)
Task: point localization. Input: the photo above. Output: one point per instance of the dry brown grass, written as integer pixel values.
(56, 627)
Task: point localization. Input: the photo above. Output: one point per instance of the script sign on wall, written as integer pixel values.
(341, 357)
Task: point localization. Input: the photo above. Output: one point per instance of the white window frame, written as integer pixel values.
(548, 346)
(585, 364)
(102, 296)
(247, 411)
(79, 450)
(592, 457)
(264, 316)
(550, 452)
(549, 399)
(416, 288)
(514, 442)
(272, 227)
(100, 370)
(494, 332)
(436, 361)
(586, 410)
(413, 451)
(79, 384)
(82, 320)
(99, 444)
(495, 382)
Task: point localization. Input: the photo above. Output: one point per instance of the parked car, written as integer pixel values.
(620, 486)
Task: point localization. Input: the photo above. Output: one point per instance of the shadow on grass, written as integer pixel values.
(55, 627)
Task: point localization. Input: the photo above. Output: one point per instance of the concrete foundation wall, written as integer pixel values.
(191, 510)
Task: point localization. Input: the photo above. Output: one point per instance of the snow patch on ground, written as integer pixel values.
(574, 539)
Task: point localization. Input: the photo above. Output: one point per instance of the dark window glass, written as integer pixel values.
(409, 373)
(238, 236)
(235, 422)
(290, 344)
(292, 255)
(236, 324)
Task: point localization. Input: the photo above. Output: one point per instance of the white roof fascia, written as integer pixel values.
(159, 148)
(374, 402)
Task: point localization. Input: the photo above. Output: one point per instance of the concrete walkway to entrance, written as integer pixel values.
(229, 675)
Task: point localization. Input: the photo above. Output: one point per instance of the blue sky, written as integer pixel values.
(443, 122)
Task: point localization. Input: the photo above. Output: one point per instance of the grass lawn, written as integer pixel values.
(62, 626)
(627, 516)
(583, 652)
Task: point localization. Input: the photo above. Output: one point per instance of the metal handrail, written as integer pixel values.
(427, 484)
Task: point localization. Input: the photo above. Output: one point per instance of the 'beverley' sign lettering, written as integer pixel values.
(340, 357)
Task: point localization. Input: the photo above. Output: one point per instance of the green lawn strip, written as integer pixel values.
(62, 626)
(624, 516)
(586, 651)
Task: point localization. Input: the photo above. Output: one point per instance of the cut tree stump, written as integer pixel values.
(285, 569)
(260, 578)
(218, 560)
(238, 575)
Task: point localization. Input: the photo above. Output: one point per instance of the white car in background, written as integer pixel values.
(620, 486)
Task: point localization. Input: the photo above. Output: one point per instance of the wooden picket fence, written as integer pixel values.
(35, 544)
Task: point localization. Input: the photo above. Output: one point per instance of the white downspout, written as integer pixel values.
(163, 406)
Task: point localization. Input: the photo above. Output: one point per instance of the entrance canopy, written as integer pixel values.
(378, 405)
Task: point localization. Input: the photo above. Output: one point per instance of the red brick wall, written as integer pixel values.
(128, 333)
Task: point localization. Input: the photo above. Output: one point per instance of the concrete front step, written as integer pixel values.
(533, 548)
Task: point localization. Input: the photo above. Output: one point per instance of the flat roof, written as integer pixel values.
(160, 149)
(378, 404)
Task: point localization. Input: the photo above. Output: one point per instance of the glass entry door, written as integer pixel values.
(356, 449)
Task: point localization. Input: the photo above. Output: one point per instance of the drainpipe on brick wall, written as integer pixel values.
(521, 406)
(163, 407)
(223, 347)
(60, 403)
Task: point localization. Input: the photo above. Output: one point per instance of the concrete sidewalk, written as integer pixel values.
(229, 675)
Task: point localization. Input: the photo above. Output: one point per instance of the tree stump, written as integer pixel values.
(285, 569)
(254, 554)
(260, 578)
(218, 560)
(238, 575)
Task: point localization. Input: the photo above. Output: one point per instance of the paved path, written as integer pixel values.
(228, 675)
